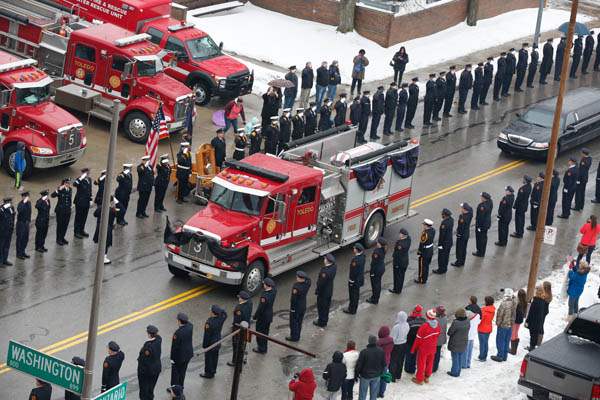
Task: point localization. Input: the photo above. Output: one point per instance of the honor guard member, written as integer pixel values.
(585, 164)
(378, 110)
(463, 232)
(356, 277)
(440, 93)
(429, 100)
(184, 170)
(511, 66)
(488, 78)
(391, 102)
(240, 142)
(569, 187)
(149, 366)
(587, 52)
(324, 290)
(355, 111)
(113, 210)
(450, 90)
(547, 60)
(535, 200)
(42, 220)
(325, 116)
(425, 251)
(533, 65)
(499, 77)
(145, 183)
(111, 366)
(219, 145)
(505, 215)
(445, 241)
(62, 209)
(521, 67)
(100, 192)
(255, 139)
(7, 222)
(553, 198)
(340, 107)
(241, 312)
(402, 106)
(465, 84)
(483, 221)
(310, 127)
(298, 124)
(400, 260)
(161, 182)
(23, 222)
(477, 86)
(520, 205)
(411, 104)
(82, 201)
(577, 53)
(80, 362)
(264, 314)
(560, 49)
(271, 134)
(365, 113)
(123, 192)
(298, 305)
(42, 391)
(285, 129)
(212, 334)
(182, 349)
(377, 270)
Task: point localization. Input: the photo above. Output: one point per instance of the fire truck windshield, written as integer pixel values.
(149, 66)
(236, 201)
(32, 95)
(203, 48)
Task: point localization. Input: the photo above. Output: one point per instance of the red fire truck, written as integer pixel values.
(199, 61)
(51, 136)
(94, 64)
(318, 196)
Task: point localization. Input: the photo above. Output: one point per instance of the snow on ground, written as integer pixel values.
(407, 6)
(497, 380)
(283, 41)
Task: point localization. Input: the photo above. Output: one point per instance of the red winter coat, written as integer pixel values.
(386, 342)
(427, 337)
(304, 388)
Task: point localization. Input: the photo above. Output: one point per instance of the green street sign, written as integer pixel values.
(119, 392)
(47, 368)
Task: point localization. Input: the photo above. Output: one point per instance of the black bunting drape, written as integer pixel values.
(368, 176)
(404, 164)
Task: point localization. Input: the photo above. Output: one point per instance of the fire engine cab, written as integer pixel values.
(51, 136)
(318, 196)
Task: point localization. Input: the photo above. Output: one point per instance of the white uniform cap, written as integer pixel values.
(164, 155)
(287, 110)
(184, 144)
(127, 165)
(164, 160)
(428, 222)
(145, 158)
(275, 118)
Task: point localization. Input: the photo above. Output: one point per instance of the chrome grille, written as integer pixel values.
(236, 81)
(519, 140)
(69, 140)
(179, 110)
(198, 251)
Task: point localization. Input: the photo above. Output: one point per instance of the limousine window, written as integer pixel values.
(538, 117)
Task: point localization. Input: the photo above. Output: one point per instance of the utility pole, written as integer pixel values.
(538, 24)
(95, 308)
(541, 222)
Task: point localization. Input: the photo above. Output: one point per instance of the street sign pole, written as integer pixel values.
(538, 24)
(541, 222)
(95, 307)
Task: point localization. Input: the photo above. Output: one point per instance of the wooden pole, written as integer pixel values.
(552, 147)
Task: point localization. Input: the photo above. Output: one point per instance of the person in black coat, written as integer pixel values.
(488, 78)
(462, 234)
(80, 362)
(365, 113)
(308, 80)
(499, 77)
(42, 220)
(113, 212)
(505, 215)
(149, 366)
(511, 67)
(429, 100)
(255, 139)
(124, 187)
(271, 135)
(521, 67)
(82, 200)
(355, 277)
(415, 320)
(264, 314)
(340, 107)
(520, 205)
(391, 102)
(425, 251)
(298, 124)
(569, 187)
(219, 146)
(585, 163)
(22, 228)
(450, 90)
(310, 125)
(477, 86)
(400, 260)
(444, 241)
(62, 209)
(324, 290)
(535, 317)
(597, 59)
(577, 53)
(325, 116)
(100, 183)
(399, 61)
(553, 198)
(402, 106)
(411, 104)
(42, 391)
(335, 373)
(377, 270)
(322, 82)
(298, 305)
(560, 51)
(378, 110)
(483, 221)
(533, 65)
(290, 93)
(270, 106)
(355, 110)
(547, 60)
(465, 84)
(587, 52)
(212, 334)
(240, 142)
(242, 312)
(111, 366)
(182, 349)
(535, 200)
(285, 129)
(163, 177)
(440, 91)
(145, 184)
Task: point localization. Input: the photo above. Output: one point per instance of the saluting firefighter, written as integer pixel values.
(184, 170)
(355, 277)
(264, 314)
(123, 192)
(182, 349)
(23, 222)
(444, 241)
(62, 210)
(212, 334)
(145, 183)
(100, 183)
(82, 201)
(463, 232)
(80, 362)
(483, 221)
(505, 215)
(271, 134)
(149, 366)
(520, 205)
(377, 270)
(298, 305)
(285, 129)
(341, 108)
(113, 211)
(400, 260)
(161, 182)
(425, 251)
(255, 139)
(240, 142)
(324, 289)
(553, 198)
(569, 187)
(241, 312)
(42, 220)
(7, 222)
(111, 366)
(535, 200)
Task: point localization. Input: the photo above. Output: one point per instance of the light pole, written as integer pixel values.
(538, 24)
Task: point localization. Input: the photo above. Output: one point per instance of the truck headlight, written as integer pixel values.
(83, 141)
(538, 145)
(502, 136)
(41, 150)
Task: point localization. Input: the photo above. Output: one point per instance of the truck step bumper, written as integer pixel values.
(203, 270)
(55, 161)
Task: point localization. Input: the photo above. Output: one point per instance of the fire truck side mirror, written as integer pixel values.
(181, 56)
(127, 69)
(280, 211)
(221, 46)
(4, 98)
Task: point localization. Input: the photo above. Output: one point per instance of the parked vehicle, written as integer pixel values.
(529, 135)
(566, 367)
(52, 137)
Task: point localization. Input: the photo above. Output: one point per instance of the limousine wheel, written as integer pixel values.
(178, 272)
(253, 278)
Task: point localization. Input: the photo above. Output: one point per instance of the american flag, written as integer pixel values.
(158, 128)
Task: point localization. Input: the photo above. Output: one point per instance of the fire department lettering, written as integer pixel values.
(305, 210)
(85, 66)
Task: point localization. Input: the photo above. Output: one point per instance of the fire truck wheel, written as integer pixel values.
(137, 126)
(9, 161)
(201, 92)
(373, 230)
(252, 282)
(178, 272)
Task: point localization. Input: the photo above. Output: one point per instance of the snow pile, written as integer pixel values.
(497, 380)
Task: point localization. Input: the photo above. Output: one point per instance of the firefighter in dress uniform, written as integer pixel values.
(240, 143)
(184, 170)
(82, 201)
(80, 362)
(161, 182)
(241, 313)
(520, 205)
(271, 134)
(62, 210)
(41, 391)
(400, 260)
(145, 183)
(377, 270)
(535, 200)
(212, 334)
(123, 192)
(182, 349)
(483, 221)
(505, 215)
(570, 179)
(255, 139)
(444, 241)
(463, 231)
(111, 366)
(298, 305)
(100, 183)
(149, 366)
(285, 129)
(324, 290)
(425, 251)
(42, 220)
(264, 314)
(7, 222)
(298, 124)
(22, 228)
(355, 277)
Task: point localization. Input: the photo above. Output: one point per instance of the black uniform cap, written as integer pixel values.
(393, 84)
(490, 58)
(25, 194)
(151, 329)
(509, 189)
(432, 75)
(7, 199)
(365, 92)
(591, 32)
(525, 44)
(113, 346)
(78, 361)
(585, 151)
(542, 175)
(415, 79)
(301, 274)
(443, 73)
(503, 53)
(359, 247)
(343, 94)
(244, 295)
(486, 195)
(84, 170)
(44, 192)
(292, 67)
(555, 172)
(480, 64)
(550, 40)
(404, 231)
(220, 130)
(527, 178)
(382, 241)
(216, 309)
(312, 103)
(466, 206)
(535, 46)
(404, 85)
(65, 180)
(183, 317)
(446, 212)
(357, 98)
(269, 282)
(512, 49)
(452, 67)
(330, 257)
(380, 87)
(468, 66)
(573, 159)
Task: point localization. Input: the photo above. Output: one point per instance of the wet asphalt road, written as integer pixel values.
(44, 302)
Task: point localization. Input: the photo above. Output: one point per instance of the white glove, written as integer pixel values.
(566, 190)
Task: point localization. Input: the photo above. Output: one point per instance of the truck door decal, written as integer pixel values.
(305, 212)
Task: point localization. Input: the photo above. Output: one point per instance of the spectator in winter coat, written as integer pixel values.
(322, 83)
(386, 343)
(458, 335)
(334, 375)
(442, 339)
(350, 359)
(473, 306)
(290, 93)
(576, 284)
(19, 164)
(334, 79)
(535, 317)
(369, 367)
(303, 386)
(399, 62)
(505, 318)
(399, 334)
(547, 286)
(474, 320)
(424, 347)
(359, 63)
(589, 235)
(270, 107)
(308, 78)
(233, 110)
(485, 327)
(520, 313)
(415, 320)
